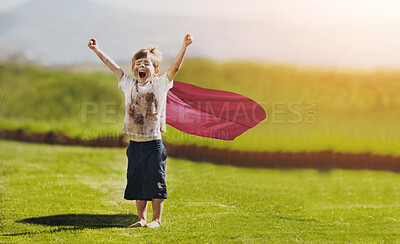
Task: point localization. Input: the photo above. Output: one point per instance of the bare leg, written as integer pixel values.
(158, 205)
(141, 206)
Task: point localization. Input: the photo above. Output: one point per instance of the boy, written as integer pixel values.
(145, 102)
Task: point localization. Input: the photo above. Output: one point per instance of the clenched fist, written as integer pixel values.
(93, 44)
(187, 40)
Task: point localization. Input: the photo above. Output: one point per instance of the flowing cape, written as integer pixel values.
(211, 113)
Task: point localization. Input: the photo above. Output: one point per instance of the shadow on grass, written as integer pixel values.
(71, 222)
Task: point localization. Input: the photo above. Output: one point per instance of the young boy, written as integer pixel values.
(145, 102)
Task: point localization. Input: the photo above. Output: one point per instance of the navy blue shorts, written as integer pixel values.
(146, 170)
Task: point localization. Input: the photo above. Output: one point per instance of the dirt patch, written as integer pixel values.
(322, 160)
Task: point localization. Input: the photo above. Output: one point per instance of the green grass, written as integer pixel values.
(356, 111)
(75, 194)
(52, 100)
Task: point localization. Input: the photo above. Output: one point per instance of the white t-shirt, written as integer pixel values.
(145, 105)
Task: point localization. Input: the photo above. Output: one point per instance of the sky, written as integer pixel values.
(312, 12)
(366, 31)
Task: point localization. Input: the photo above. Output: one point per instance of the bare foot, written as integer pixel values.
(140, 223)
(153, 224)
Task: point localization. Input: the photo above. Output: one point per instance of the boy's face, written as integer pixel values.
(144, 70)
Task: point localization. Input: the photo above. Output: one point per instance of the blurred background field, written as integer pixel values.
(327, 73)
(307, 109)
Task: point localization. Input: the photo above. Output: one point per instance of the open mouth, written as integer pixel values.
(142, 74)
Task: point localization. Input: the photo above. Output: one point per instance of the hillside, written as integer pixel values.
(308, 110)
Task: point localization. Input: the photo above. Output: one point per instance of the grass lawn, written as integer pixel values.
(75, 194)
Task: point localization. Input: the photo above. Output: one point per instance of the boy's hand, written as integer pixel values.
(187, 40)
(93, 44)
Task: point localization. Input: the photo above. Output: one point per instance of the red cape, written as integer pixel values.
(211, 113)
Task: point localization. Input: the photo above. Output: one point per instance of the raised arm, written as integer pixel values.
(106, 60)
(173, 70)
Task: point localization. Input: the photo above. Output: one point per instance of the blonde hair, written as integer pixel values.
(150, 52)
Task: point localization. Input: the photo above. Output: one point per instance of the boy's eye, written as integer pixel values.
(144, 62)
